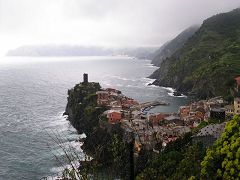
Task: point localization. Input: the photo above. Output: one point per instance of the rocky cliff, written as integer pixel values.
(108, 149)
(208, 61)
(81, 107)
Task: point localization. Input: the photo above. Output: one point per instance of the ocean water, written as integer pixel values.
(33, 96)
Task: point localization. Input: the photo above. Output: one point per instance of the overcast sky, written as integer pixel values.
(101, 22)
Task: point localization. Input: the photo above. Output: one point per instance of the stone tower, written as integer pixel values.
(85, 78)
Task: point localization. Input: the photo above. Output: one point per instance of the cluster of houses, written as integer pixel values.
(203, 110)
(117, 103)
(150, 129)
(171, 126)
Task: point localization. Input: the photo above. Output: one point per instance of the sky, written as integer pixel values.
(101, 22)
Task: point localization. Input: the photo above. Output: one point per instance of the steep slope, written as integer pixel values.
(208, 61)
(172, 46)
(110, 152)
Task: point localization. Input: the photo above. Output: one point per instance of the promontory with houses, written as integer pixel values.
(199, 141)
(104, 113)
(152, 128)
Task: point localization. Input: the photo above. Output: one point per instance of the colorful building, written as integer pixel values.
(237, 105)
(114, 116)
(229, 110)
(173, 120)
(116, 105)
(102, 97)
(128, 102)
(156, 118)
(184, 111)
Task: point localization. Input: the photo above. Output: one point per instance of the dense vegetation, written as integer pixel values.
(110, 152)
(208, 61)
(81, 108)
(172, 46)
(223, 159)
(182, 159)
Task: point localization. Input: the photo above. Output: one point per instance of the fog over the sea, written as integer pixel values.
(101, 22)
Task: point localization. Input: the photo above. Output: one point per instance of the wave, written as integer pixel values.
(148, 82)
(58, 123)
(121, 78)
(73, 147)
(151, 66)
(59, 169)
(134, 86)
(171, 92)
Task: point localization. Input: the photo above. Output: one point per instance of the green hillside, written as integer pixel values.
(172, 46)
(208, 61)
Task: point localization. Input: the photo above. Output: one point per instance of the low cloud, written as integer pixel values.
(105, 22)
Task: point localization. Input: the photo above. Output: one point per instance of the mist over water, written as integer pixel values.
(33, 96)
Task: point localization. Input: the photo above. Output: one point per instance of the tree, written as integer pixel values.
(120, 153)
(223, 159)
(142, 159)
(190, 165)
(161, 167)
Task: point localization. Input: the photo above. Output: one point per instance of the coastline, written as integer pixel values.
(171, 91)
(119, 128)
(85, 96)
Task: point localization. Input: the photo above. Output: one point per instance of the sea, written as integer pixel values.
(33, 97)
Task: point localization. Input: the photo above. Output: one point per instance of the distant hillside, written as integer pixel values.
(140, 52)
(62, 50)
(208, 61)
(172, 46)
(67, 50)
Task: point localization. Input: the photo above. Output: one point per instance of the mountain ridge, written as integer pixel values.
(209, 58)
(170, 47)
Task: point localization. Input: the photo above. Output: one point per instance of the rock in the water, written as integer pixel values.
(176, 93)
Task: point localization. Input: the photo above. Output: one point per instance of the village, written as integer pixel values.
(150, 129)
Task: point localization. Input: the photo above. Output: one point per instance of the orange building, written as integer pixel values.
(114, 116)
